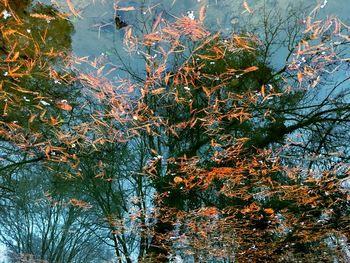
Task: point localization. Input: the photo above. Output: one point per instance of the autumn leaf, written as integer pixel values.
(13, 58)
(72, 9)
(206, 91)
(202, 11)
(263, 90)
(42, 16)
(300, 77)
(251, 208)
(158, 91)
(63, 105)
(178, 180)
(8, 32)
(32, 117)
(251, 69)
(79, 203)
(148, 69)
(208, 211)
(128, 34)
(151, 38)
(129, 8)
(269, 210)
(100, 175)
(246, 6)
(191, 28)
(156, 23)
(243, 42)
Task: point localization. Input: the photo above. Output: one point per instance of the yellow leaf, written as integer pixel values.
(129, 8)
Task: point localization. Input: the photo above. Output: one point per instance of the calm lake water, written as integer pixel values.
(95, 32)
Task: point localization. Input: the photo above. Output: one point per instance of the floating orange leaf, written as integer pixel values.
(250, 69)
(269, 210)
(72, 8)
(300, 77)
(202, 13)
(208, 211)
(63, 105)
(158, 91)
(178, 180)
(42, 16)
(263, 90)
(191, 28)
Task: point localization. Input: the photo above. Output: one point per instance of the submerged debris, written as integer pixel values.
(119, 23)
